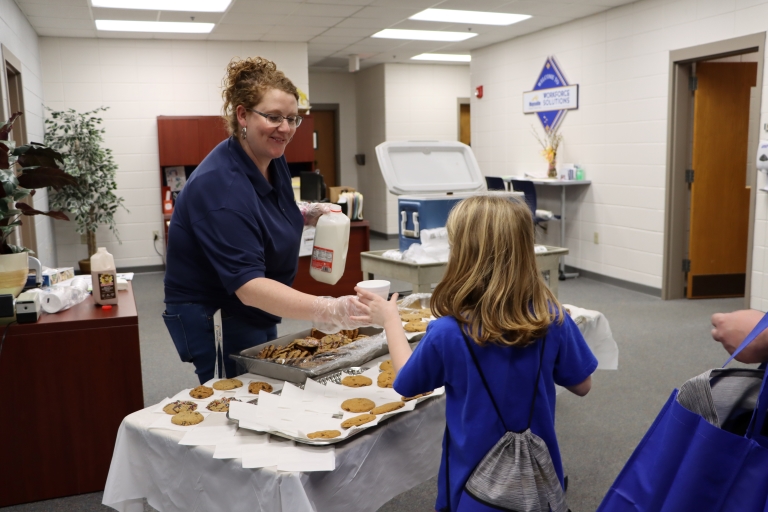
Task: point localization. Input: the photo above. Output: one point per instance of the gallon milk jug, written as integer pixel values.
(104, 277)
(329, 255)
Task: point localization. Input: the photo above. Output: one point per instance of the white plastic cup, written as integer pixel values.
(378, 286)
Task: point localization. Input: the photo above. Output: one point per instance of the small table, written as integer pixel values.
(371, 469)
(563, 184)
(422, 276)
(73, 376)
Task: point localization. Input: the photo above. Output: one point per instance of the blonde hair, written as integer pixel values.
(492, 284)
(246, 83)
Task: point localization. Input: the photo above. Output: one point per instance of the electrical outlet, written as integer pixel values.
(597, 238)
(83, 239)
(155, 235)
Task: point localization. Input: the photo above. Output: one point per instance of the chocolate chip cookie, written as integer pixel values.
(409, 398)
(201, 392)
(221, 404)
(187, 418)
(356, 421)
(179, 406)
(227, 384)
(324, 434)
(383, 409)
(386, 379)
(256, 386)
(357, 405)
(419, 326)
(386, 366)
(356, 381)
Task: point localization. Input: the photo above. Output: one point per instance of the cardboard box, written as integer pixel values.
(52, 276)
(335, 192)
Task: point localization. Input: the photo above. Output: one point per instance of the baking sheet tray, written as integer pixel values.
(247, 359)
(335, 377)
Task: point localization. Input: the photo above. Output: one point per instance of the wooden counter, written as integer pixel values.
(67, 382)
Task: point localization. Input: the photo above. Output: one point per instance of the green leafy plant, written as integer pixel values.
(78, 136)
(23, 169)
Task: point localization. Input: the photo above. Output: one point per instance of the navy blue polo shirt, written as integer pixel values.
(231, 225)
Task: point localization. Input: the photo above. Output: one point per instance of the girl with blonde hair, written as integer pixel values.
(522, 343)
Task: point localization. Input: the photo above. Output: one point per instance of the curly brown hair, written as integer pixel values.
(492, 284)
(246, 82)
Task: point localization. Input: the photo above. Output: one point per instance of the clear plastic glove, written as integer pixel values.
(313, 211)
(333, 315)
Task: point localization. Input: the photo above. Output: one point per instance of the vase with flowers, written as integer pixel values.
(549, 143)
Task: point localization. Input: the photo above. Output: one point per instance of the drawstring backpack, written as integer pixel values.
(517, 474)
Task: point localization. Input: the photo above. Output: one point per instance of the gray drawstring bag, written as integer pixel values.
(517, 474)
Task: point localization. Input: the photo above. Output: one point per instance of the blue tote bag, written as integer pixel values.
(707, 450)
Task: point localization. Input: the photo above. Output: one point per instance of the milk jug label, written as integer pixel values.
(322, 259)
(107, 288)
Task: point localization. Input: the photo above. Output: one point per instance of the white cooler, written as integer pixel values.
(429, 177)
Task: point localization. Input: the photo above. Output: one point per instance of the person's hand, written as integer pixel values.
(313, 211)
(730, 329)
(333, 315)
(380, 310)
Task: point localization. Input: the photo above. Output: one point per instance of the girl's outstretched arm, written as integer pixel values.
(385, 313)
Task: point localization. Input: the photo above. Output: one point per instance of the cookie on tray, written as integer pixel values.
(411, 317)
(386, 379)
(419, 326)
(187, 418)
(227, 384)
(409, 398)
(356, 421)
(357, 405)
(256, 386)
(383, 409)
(356, 381)
(386, 366)
(221, 404)
(179, 406)
(324, 434)
(201, 392)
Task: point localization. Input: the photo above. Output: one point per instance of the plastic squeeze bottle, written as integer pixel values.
(103, 277)
(329, 254)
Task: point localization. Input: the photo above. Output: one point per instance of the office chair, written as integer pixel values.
(529, 191)
(495, 183)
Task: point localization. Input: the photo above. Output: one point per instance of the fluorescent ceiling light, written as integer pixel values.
(423, 35)
(154, 26)
(476, 17)
(166, 5)
(444, 57)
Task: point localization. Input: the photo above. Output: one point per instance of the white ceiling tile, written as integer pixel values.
(254, 19)
(312, 21)
(372, 23)
(43, 22)
(335, 39)
(284, 36)
(350, 32)
(326, 9)
(65, 32)
(410, 4)
(300, 34)
(124, 14)
(56, 11)
(261, 7)
(340, 2)
(199, 17)
(384, 13)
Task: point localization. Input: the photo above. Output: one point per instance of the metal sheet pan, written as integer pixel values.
(248, 360)
(334, 377)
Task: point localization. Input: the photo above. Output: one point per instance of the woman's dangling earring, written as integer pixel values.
(244, 133)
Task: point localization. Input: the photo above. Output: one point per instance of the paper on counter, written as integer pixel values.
(214, 429)
(164, 422)
(238, 445)
(307, 458)
(267, 455)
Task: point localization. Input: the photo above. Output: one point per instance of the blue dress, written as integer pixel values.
(441, 359)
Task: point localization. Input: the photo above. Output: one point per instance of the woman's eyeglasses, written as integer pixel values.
(277, 120)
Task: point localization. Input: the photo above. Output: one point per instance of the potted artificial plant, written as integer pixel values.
(23, 169)
(93, 202)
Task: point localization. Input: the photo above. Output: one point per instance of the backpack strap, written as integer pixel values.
(488, 388)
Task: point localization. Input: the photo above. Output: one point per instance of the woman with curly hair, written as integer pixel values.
(234, 238)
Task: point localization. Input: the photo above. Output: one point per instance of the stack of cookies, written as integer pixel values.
(415, 320)
(310, 351)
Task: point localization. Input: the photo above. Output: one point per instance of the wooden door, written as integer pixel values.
(719, 195)
(465, 134)
(325, 152)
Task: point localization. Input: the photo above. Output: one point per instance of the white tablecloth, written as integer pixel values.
(371, 468)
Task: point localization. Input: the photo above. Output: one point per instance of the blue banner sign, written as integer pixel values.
(551, 96)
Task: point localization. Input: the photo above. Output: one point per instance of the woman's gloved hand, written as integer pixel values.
(333, 315)
(313, 211)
